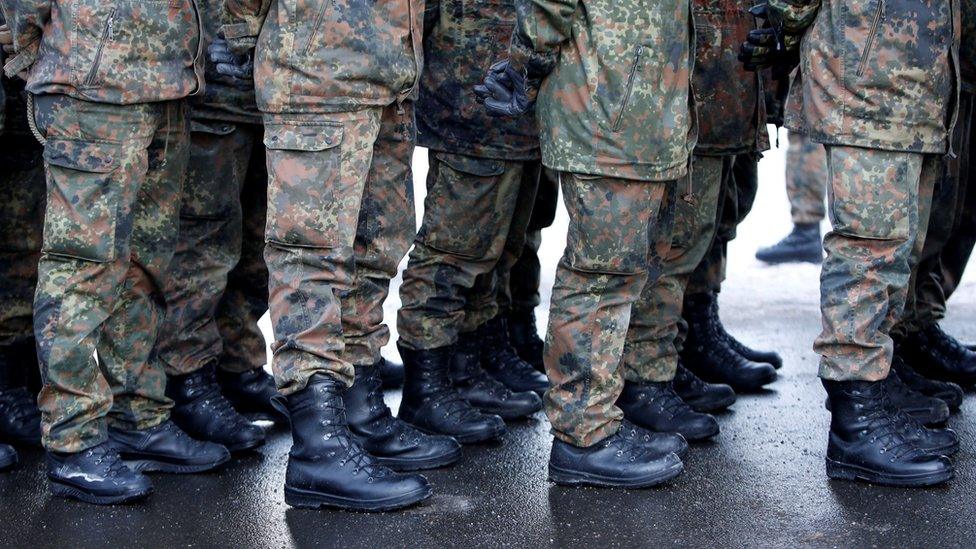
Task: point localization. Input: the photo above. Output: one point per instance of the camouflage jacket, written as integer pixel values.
(462, 38)
(879, 74)
(13, 111)
(329, 55)
(123, 52)
(730, 99)
(967, 52)
(617, 102)
(220, 99)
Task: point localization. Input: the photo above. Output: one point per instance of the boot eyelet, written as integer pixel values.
(881, 451)
(619, 453)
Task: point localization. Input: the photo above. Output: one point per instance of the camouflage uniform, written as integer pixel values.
(481, 186)
(22, 191)
(877, 87)
(731, 114)
(336, 82)
(217, 284)
(617, 121)
(806, 179)
(116, 129)
(521, 291)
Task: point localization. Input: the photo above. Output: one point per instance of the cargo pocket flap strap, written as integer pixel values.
(302, 137)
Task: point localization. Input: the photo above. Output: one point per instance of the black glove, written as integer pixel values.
(239, 69)
(506, 91)
(769, 46)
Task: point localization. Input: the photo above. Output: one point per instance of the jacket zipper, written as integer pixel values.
(108, 33)
(315, 29)
(630, 88)
(954, 57)
(878, 16)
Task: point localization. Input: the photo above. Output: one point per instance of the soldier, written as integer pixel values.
(617, 125)
(21, 222)
(481, 187)
(882, 102)
(109, 103)
(806, 176)
(336, 81)
(217, 284)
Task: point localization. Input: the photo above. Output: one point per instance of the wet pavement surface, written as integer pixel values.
(759, 484)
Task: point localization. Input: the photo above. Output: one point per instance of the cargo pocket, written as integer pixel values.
(83, 198)
(214, 172)
(304, 169)
(462, 210)
(872, 193)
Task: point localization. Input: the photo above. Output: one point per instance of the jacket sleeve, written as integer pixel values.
(543, 27)
(26, 19)
(797, 15)
(242, 22)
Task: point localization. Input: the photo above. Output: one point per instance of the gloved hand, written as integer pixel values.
(770, 46)
(7, 45)
(507, 91)
(238, 68)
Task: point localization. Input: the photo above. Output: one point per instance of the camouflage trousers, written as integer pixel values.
(521, 293)
(948, 240)
(619, 236)
(740, 183)
(217, 284)
(475, 218)
(22, 193)
(340, 219)
(657, 329)
(114, 178)
(879, 204)
(806, 179)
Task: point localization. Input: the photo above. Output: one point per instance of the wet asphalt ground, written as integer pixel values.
(759, 484)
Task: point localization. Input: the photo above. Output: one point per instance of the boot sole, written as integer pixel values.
(474, 438)
(407, 465)
(565, 477)
(70, 492)
(9, 462)
(156, 466)
(307, 499)
(844, 471)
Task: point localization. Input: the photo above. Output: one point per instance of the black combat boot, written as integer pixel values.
(327, 467)
(524, 336)
(165, 448)
(701, 396)
(96, 475)
(867, 443)
(500, 360)
(250, 392)
(926, 409)
(393, 442)
(708, 354)
(483, 391)
(660, 443)
(432, 403)
(932, 441)
(657, 407)
(768, 357)
(202, 411)
(391, 373)
(8, 457)
(803, 244)
(616, 461)
(20, 420)
(937, 355)
(947, 391)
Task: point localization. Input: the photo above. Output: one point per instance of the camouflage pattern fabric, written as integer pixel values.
(461, 41)
(967, 48)
(227, 160)
(879, 204)
(475, 219)
(656, 327)
(618, 101)
(731, 101)
(329, 56)
(619, 235)
(86, 49)
(340, 219)
(806, 179)
(221, 99)
(521, 292)
(740, 183)
(880, 74)
(114, 175)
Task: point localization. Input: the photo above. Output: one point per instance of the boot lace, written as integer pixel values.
(352, 452)
(944, 342)
(203, 385)
(887, 428)
(108, 459)
(666, 400)
(443, 395)
(686, 378)
(628, 448)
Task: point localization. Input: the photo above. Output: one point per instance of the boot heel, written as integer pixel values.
(840, 471)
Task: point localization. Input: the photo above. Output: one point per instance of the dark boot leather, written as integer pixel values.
(433, 404)
(8, 457)
(702, 396)
(803, 244)
(167, 449)
(617, 461)
(250, 392)
(867, 442)
(327, 467)
(391, 373)
(657, 407)
(524, 335)
(393, 442)
(483, 391)
(947, 391)
(202, 411)
(96, 475)
(937, 355)
(500, 360)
